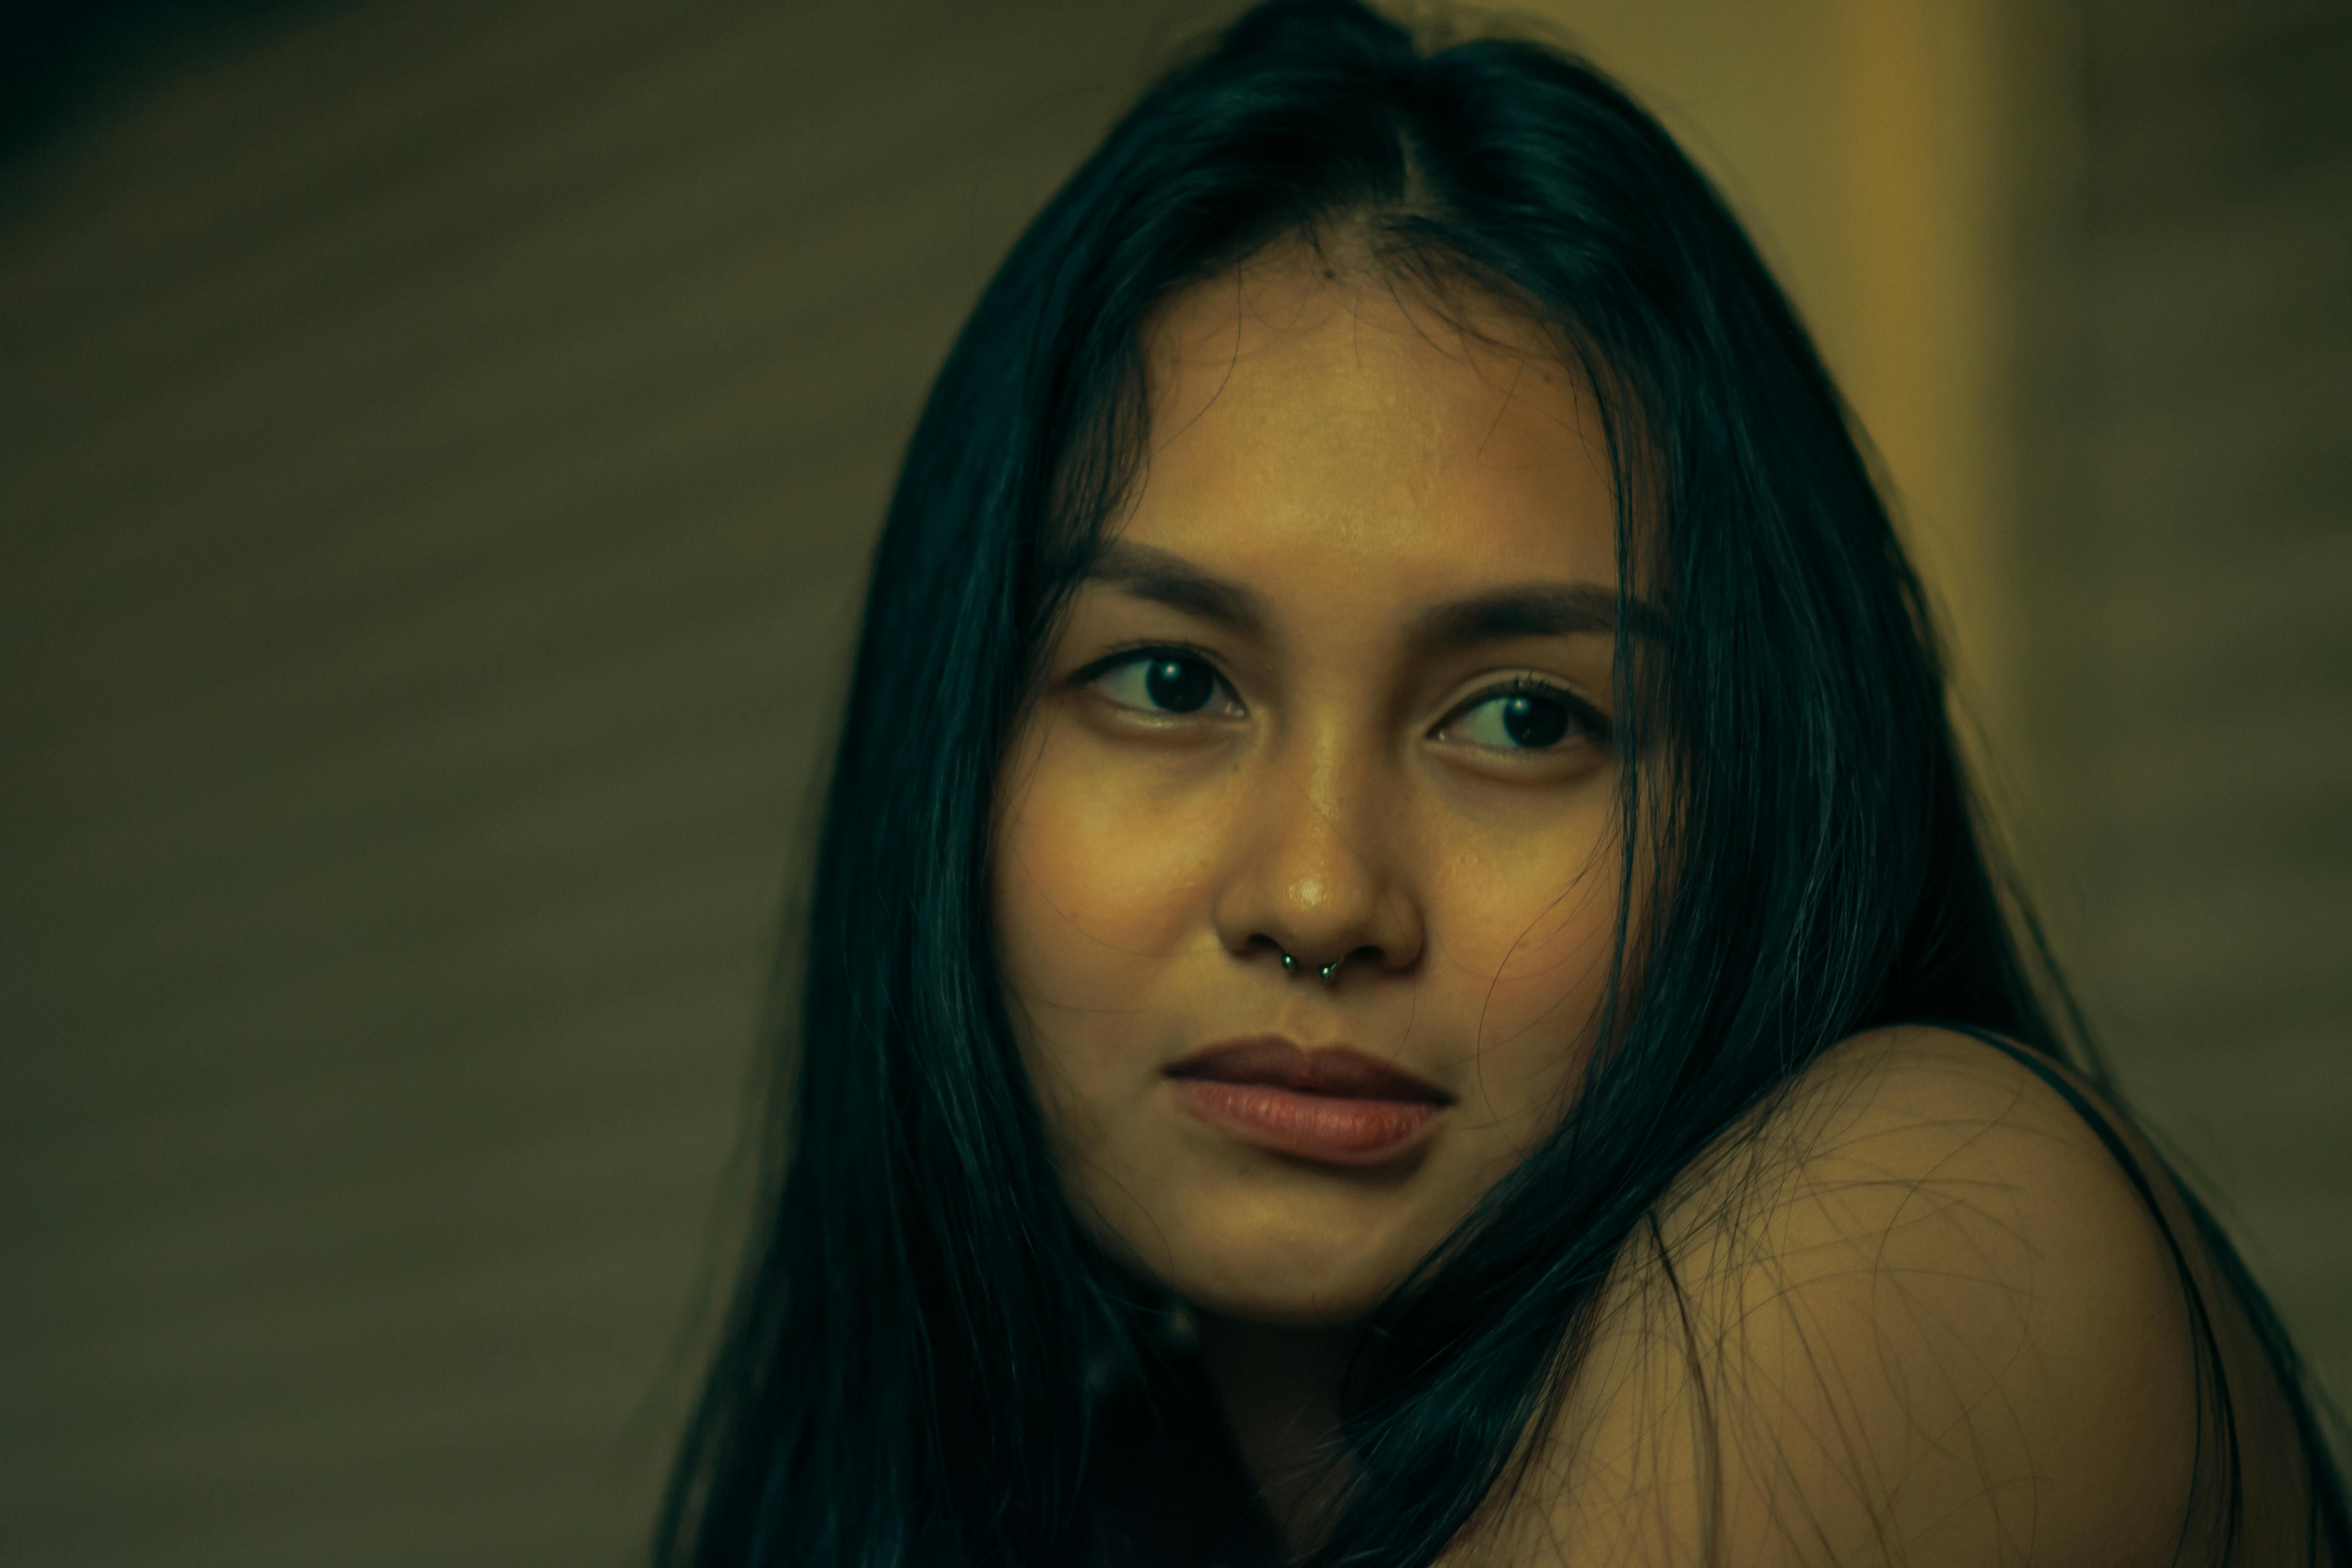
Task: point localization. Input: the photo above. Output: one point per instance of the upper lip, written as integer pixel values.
(1281, 1063)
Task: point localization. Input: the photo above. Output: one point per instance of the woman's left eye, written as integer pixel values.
(1165, 682)
(1526, 717)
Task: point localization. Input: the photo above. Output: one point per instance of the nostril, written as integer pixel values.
(1327, 972)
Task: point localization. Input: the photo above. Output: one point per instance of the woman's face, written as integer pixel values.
(1338, 688)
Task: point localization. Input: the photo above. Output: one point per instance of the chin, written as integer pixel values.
(1277, 1280)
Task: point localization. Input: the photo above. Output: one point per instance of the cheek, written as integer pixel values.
(1531, 938)
(1100, 886)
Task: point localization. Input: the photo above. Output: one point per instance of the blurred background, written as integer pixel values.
(439, 446)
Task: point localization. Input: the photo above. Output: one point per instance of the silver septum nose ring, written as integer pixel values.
(1327, 973)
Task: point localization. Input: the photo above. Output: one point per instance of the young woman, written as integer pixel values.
(1399, 970)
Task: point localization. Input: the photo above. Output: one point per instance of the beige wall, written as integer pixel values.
(2085, 276)
(1864, 143)
(437, 446)
(2187, 609)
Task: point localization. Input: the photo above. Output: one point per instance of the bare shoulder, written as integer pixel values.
(1915, 1311)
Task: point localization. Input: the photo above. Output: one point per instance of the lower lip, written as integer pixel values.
(1328, 1129)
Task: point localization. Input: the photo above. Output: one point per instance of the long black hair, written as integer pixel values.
(916, 1369)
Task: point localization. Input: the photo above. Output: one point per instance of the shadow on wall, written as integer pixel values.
(59, 59)
(441, 444)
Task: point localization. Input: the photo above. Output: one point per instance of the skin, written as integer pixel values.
(1926, 1296)
(1923, 1319)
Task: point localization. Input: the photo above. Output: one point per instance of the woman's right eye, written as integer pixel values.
(1157, 682)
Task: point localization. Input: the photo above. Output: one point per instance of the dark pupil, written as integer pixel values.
(1179, 685)
(1532, 721)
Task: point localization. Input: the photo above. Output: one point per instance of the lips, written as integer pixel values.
(1333, 1105)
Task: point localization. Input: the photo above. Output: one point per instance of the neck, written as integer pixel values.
(1280, 1390)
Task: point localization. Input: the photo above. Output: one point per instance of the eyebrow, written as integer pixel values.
(1170, 580)
(1532, 610)
(1519, 610)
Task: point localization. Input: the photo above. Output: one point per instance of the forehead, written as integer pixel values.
(1303, 413)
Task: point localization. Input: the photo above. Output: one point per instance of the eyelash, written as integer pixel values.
(1149, 653)
(1583, 716)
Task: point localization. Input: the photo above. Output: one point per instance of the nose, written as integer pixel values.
(1316, 874)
